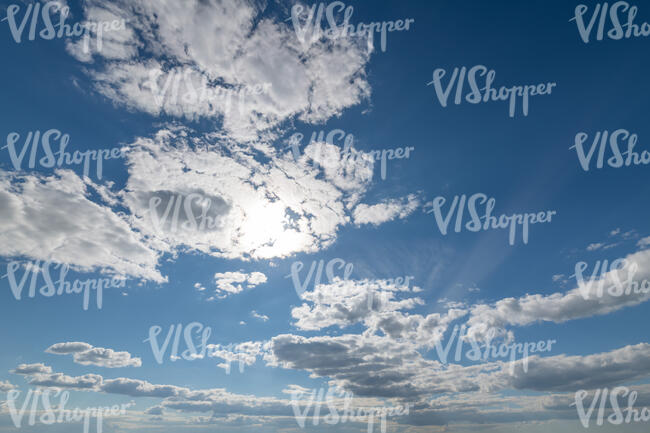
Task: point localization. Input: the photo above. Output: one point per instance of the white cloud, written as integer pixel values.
(600, 246)
(238, 207)
(571, 373)
(373, 367)
(68, 348)
(582, 301)
(259, 316)
(245, 48)
(60, 380)
(386, 211)
(644, 242)
(345, 302)
(243, 354)
(6, 386)
(595, 246)
(225, 282)
(86, 354)
(53, 218)
(29, 369)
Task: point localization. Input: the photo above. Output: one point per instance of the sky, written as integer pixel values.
(308, 265)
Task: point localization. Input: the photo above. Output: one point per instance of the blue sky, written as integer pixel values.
(275, 210)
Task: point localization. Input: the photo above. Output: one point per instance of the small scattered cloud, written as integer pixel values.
(6, 386)
(230, 283)
(259, 316)
(385, 211)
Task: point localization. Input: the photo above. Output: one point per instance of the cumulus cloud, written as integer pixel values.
(226, 282)
(585, 300)
(52, 218)
(345, 302)
(86, 354)
(378, 367)
(244, 354)
(139, 388)
(231, 205)
(370, 366)
(60, 380)
(184, 71)
(572, 373)
(68, 348)
(29, 369)
(386, 211)
(6, 386)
